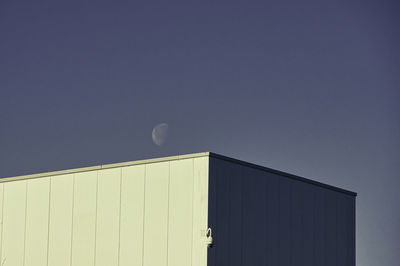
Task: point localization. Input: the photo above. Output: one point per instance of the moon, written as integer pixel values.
(160, 134)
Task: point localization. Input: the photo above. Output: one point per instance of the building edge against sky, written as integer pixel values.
(156, 212)
(172, 158)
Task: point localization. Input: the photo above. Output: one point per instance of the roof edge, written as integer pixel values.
(173, 158)
(291, 176)
(104, 166)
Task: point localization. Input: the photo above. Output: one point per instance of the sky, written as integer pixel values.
(307, 87)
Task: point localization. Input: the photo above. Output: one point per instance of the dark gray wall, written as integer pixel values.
(262, 218)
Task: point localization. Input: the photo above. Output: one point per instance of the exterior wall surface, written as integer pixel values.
(148, 214)
(261, 218)
(156, 212)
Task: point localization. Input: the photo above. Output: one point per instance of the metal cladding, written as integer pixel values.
(197, 209)
(261, 216)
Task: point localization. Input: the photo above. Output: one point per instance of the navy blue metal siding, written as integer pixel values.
(260, 218)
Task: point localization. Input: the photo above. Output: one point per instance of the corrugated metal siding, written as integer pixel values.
(149, 215)
(260, 218)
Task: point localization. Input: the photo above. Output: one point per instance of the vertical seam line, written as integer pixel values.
(119, 221)
(291, 227)
(169, 180)
(2, 222)
(314, 218)
(95, 219)
(354, 234)
(205, 182)
(325, 227)
(267, 221)
(215, 196)
(72, 218)
(192, 238)
(241, 216)
(48, 223)
(26, 209)
(337, 228)
(229, 184)
(144, 211)
(279, 219)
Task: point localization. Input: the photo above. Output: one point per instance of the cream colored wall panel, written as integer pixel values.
(200, 215)
(84, 219)
(37, 221)
(14, 223)
(1, 219)
(108, 211)
(132, 209)
(180, 226)
(60, 226)
(156, 214)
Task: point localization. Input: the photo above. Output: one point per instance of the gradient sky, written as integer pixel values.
(307, 87)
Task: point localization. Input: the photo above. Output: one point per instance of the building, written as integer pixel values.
(197, 209)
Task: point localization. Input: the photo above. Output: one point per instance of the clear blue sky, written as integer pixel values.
(307, 87)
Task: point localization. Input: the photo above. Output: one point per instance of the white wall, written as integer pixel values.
(147, 214)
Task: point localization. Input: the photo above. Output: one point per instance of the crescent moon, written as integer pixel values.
(160, 134)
